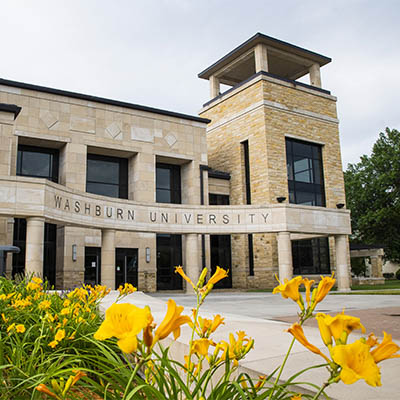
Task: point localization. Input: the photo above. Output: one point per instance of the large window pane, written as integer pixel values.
(37, 162)
(311, 256)
(168, 183)
(305, 176)
(107, 176)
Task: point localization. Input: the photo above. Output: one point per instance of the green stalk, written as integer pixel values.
(192, 336)
(137, 367)
(281, 369)
(323, 387)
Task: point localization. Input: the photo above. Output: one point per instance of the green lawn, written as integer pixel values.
(392, 284)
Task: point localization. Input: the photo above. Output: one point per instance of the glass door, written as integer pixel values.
(92, 266)
(126, 267)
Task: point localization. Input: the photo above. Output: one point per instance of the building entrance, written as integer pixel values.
(92, 265)
(126, 267)
(221, 257)
(169, 256)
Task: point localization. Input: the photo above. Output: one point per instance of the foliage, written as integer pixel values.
(56, 346)
(358, 266)
(373, 195)
(398, 274)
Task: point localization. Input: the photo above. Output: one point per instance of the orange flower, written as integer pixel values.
(307, 284)
(386, 349)
(172, 322)
(44, 389)
(290, 290)
(219, 274)
(297, 331)
(324, 286)
(179, 270)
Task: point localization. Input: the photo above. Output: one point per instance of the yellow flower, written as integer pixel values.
(4, 318)
(65, 311)
(172, 322)
(44, 389)
(297, 331)
(60, 335)
(179, 270)
(66, 302)
(237, 348)
(126, 289)
(33, 286)
(20, 328)
(307, 284)
(296, 397)
(11, 327)
(219, 274)
(200, 347)
(123, 321)
(290, 289)
(357, 363)
(205, 327)
(37, 280)
(324, 286)
(44, 305)
(53, 344)
(386, 349)
(338, 327)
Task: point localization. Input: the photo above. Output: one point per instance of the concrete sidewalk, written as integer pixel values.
(254, 313)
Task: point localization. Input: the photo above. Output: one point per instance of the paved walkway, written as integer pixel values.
(262, 316)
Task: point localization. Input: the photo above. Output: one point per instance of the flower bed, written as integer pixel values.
(58, 346)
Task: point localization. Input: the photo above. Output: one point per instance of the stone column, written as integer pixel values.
(376, 266)
(108, 258)
(315, 75)
(342, 266)
(34, 246)
(285, 256)
(192, 264)
(261, 58)
(214, 86)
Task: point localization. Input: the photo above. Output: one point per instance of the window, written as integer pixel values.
(107, 176)
(218, 199)
(305, 174)
(168, 183)
(38, 162)
(311, 256)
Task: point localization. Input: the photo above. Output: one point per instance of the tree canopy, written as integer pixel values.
(373, 195)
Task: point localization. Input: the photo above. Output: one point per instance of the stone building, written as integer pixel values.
(95, 190)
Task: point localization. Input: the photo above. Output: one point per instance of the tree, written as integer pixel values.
(373, 195)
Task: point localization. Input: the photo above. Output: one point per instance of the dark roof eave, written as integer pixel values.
(102, 100)
(214, 173)
(11, 108)
(259, 38)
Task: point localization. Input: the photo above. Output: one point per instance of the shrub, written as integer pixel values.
(388, 275)
(398, 274)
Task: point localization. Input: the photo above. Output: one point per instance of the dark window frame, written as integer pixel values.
(314, 188)
(54, 161)
(122, 184)
(174, 190)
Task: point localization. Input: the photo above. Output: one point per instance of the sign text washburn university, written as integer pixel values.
(156, 216)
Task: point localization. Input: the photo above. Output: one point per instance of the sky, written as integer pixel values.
(149, 52)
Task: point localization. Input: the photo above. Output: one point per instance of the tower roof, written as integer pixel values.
(284, 59)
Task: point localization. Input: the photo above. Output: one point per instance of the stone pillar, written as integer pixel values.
(342, 266)
(192, 264)
(285, 259)
(34, 246)
(376, 266)
(261, 58)
(315, 75)
(108, 258)
(214, 86)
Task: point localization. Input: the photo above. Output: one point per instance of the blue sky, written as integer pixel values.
(150, 52)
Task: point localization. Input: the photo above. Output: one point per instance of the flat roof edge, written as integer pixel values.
(258, 38)
(80, 96)
(11, 108)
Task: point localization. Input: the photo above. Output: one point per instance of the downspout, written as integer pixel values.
(203, 241)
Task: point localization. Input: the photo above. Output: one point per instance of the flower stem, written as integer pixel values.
(323, 387)
(137, 367)
(281, 368)
(192, 337)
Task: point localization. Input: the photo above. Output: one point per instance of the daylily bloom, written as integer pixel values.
(386, 349)
(357, 363)
(44, 389)
(179, 270)
(172, 322)
(126, 289)
(237, 348)
(307, 284)
(60, 335)
(200, 347)
(290, 290)
(297, 331)
(205, 326)
(219, 274)
(296, 397)
(324, 286)
(20, 328)
(53, 344)
(123, 321)
(44, 305)
(338, 327)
